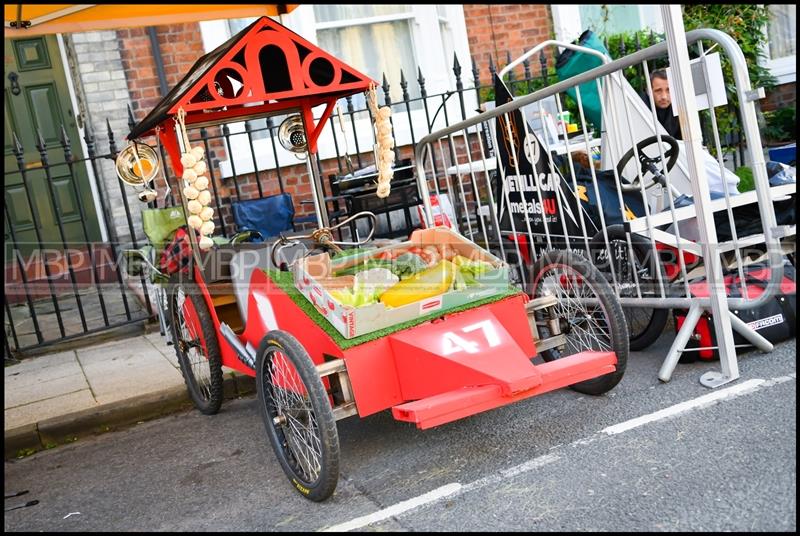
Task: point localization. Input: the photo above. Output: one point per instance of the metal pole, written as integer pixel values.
(317, 193)
(684, 96)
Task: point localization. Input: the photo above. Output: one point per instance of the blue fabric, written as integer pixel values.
(270, 216)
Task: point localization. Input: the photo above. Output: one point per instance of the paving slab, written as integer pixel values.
(40, 363)
(49, 408)
(28, 392)
(160, 344)
(127, 369)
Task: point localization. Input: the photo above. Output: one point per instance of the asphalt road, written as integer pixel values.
(550, 463)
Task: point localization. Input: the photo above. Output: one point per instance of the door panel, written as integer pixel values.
(45, 113)
(43, 103)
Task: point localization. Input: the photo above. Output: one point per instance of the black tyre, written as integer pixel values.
(598, 326)
(195, 339)
(645, 324)
(297, 415)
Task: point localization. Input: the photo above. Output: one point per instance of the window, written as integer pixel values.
(781, 50)
(376, 40)
(570, 21)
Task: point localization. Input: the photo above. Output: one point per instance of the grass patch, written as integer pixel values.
(24, 453)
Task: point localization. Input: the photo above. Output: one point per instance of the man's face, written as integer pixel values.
(661, 92)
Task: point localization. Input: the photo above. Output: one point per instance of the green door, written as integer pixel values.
(36, 96)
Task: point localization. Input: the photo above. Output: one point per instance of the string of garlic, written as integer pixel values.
(384, 153)
(195, 189)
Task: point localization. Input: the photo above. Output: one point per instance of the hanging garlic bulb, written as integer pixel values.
(205, 242)
(207, 228)
(194, 206)
(198, 152)
(206, 213)
(384, 155)
(204, 197)
(194, 221)
(188, 160)
(200, 167)
(190, 192)
(195, 188)
(201, 183)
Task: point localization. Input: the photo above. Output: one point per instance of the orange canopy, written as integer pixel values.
(23, 20)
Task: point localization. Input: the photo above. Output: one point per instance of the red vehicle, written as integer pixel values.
(233, 308)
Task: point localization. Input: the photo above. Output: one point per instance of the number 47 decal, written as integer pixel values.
(453, 342)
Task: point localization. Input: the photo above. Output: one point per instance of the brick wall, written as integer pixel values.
(783, 95)
(104, 94)
(494, 30)
(181, 46)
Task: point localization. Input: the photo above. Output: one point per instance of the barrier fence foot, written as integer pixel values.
(752, 336)
(671, 361)
(714, 378)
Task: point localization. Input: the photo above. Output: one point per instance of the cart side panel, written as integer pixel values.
(271, 308)
(230, 358)
(373, 376)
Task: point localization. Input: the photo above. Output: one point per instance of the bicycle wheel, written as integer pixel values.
(588, 313)
(297, 415)
(195, 339)
(645, 324)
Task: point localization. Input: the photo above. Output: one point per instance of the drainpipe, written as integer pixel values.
(162, 77)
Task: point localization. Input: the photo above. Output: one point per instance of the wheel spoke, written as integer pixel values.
(587, 326)
(288, 397)
(193, 353)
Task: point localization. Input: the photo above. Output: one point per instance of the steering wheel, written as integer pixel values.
(648, 164)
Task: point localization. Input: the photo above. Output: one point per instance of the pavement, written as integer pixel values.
(60, 397)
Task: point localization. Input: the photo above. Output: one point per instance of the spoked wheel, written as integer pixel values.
(297, 415)
(196, 345)
(587, 313)
(645, 324)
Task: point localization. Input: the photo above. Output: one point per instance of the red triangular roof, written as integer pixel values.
(272, 63)
(264, 63)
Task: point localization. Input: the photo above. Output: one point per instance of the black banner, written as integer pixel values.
(531, 183)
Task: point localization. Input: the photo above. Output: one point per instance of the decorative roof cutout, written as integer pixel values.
(264, 63)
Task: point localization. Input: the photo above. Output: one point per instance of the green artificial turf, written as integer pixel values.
(285, 281)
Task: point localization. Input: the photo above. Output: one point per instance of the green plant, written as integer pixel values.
(746, 181)
(781, 124)
(22, 453)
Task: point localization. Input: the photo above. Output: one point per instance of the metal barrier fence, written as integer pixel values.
(632, 216)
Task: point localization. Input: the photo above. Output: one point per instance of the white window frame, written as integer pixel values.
(438, 73)
(568, 26)
(783, 69)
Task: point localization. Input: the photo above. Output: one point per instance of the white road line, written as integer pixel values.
(397, 509)
(700, 402)
(455, 488)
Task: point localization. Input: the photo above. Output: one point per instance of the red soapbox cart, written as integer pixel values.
(428, 362)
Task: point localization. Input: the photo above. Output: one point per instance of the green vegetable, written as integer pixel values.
(458, 281)
(357, 298)
(475, 268)
(408, 264)
(468, 277)
(366, 265)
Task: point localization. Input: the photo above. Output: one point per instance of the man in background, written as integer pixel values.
(663, 102)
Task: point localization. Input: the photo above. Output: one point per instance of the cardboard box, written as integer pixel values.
(313, 273)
